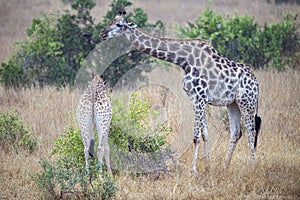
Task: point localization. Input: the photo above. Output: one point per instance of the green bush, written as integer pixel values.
(14, 135)
(66, 178)
(131, 129)
(137, 145)
(279, 42)
(63, 179)
(240, 38)
(55, 49)
(70, 144)
(58, 45)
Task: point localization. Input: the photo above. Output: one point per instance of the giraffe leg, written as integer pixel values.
(102, 123)
(100, 131)
(86, 156)
(250, 127)
(106, 154)
(100, 150)
(234, 114)
(85, 121)
(200, 128)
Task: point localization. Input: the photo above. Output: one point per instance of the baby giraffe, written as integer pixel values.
(95, 109)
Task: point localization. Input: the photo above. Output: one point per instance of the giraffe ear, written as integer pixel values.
(122, 12)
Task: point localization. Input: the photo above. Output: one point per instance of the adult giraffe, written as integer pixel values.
(209, 79)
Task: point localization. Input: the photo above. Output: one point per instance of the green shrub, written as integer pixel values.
(63, 179)
(67, 178)
(131, 129)
(70, 144)
(54, 52)
(14, 135)
(137, 145)
(58, 45)
(279, 42)
(240, 38)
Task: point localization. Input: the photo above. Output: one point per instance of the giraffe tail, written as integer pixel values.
(257, 128)
(91, 148)
(92, 142)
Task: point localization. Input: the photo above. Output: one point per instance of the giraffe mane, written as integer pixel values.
(175, 39)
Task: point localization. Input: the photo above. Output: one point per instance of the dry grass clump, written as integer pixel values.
(276, 174)
(46, 112)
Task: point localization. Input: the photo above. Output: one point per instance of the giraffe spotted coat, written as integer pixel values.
(209, 79)
(94, 109)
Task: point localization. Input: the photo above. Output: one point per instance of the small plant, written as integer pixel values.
(137, 145)
(66, 178)
(131, 129)
(14, 134)
(70, 144)
(63, 179)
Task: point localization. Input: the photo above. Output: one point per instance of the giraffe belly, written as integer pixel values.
(220, 101)
(221, 98)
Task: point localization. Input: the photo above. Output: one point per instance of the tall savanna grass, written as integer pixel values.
(276, 175)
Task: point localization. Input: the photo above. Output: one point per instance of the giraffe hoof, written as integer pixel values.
(194, 172)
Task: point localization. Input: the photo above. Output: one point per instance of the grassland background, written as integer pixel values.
(48, 111)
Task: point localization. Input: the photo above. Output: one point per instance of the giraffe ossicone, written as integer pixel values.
(209, 79)
(94, 109)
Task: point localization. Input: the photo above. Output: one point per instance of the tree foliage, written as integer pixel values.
(132, 58)
(57, 46)
(240, 38)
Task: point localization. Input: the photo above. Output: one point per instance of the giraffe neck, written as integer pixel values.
(182, 52)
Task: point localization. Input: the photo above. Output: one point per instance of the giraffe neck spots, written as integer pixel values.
(184, 52)
(205, 70)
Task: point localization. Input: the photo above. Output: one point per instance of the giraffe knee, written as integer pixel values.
(204, 138)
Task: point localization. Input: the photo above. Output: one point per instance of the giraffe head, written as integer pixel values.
(117, 27)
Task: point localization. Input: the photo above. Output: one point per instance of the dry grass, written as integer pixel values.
(48, 112)
(276, 174)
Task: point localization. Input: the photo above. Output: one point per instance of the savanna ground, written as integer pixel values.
(276, 174)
